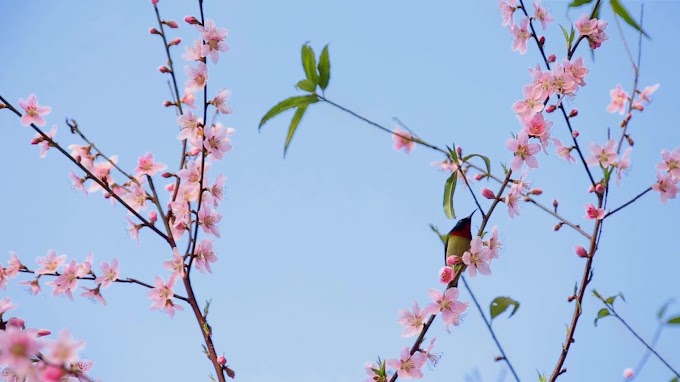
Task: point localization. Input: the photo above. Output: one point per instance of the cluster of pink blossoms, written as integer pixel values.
(29, 355)
(668, 176)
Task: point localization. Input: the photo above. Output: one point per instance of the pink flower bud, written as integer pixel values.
(154, 2)
(536, 191)
(168, 103)
(488, 193)
(52, 373)
(541, 40)
(154, 31)
(221, 360)
(171, 24)
(43, 332)
(575, 134)
(453, 260)
(550, 108)
(16, 322)
(153, 216)
(552, 58)
(628, 373)
(591, 189)
(479, 176)
(599, 188)
(167, 175)
(170, 187)
(580, 251)
(175, 41)
(446, 275)
(191, 20)
(555, 203)
(638, 106)
(163, 69)
(573, 113)
(459, 151)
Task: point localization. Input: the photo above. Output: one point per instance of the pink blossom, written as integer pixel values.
(507, 9)
(563, 82)
(67, 281)
(109, 273)
(102, 171)
(447, 303)
(431, 356)
(522, 36)
(6, 305)
(623, 164)
(532, 102)
(477, 258)
(593, 212)
(564, 152)
(666, 186)
(542, 15)
(645, 94)
(412, 321)
(161, 296)
(49, 264)
(14, 265)
(220, 101)
(214, 38)
(94, 294)
(523, 150)
(593, 29)
(80, 369)
(512, 199)
(204, 255)
(446, 275)
(85, 268)
(541, 82)
(408, 366)
(77, 182)
(670, 162)
(538, 127)
(44, 143)
(372, 372)
(176, 264)
(82, 155)
(217, 141)
(208, 219)
(198, 77)
(216, 191)
(576, 69)
(20, 347)
(34, 285)
(604, 156)
(136, 196)
(188, 99)
(147, 166)
(619, 99)
(133, 229)
(494, 243)
(193, 52)
(33, 111)
(63, 350)
(403, 140)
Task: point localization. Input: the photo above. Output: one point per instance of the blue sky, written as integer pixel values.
(321, 250)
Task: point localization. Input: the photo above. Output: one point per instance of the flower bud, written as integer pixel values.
(541, 40)
(2, 106)
(167, 175)
(175, 41)
(459, 151)
(43, 333)
(557, 226)
(221, 360)
(580, 251)
(16, 322)
(171, 24)
(488, 193)
(573, 113)
(479, 176)
(638, 106)
(575, 134)
(555, 203)
(154, 2)
(628, 373)
(154, 31)
(599, 188)
(630, 140)
(168, 103)
(164, 69)
(446, 275)
(591, 189)
(552, 58)
(550, 108)
(153, 217)
(453, 260)
(536, 191)
(191, 20)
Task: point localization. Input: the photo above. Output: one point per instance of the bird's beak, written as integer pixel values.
(473, 212)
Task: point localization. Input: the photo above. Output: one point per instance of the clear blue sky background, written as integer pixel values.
(321, 250)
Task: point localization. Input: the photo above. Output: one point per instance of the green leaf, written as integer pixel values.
(486, 160)
(542, 377)
(620, 10)
(436, 230)
(578, 3)
(662, 310)
(673, 320)
(294, 122)
(501, 304)
(286, 104)
(675, 379)
(324, 68)
(306, 85)
(598, 295)
(602, 313)
(449, 190)
(610, 300)
(309, 64)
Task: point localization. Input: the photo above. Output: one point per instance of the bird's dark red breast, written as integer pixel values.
(462, 228)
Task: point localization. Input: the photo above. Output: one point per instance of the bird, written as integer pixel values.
(458, 240)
